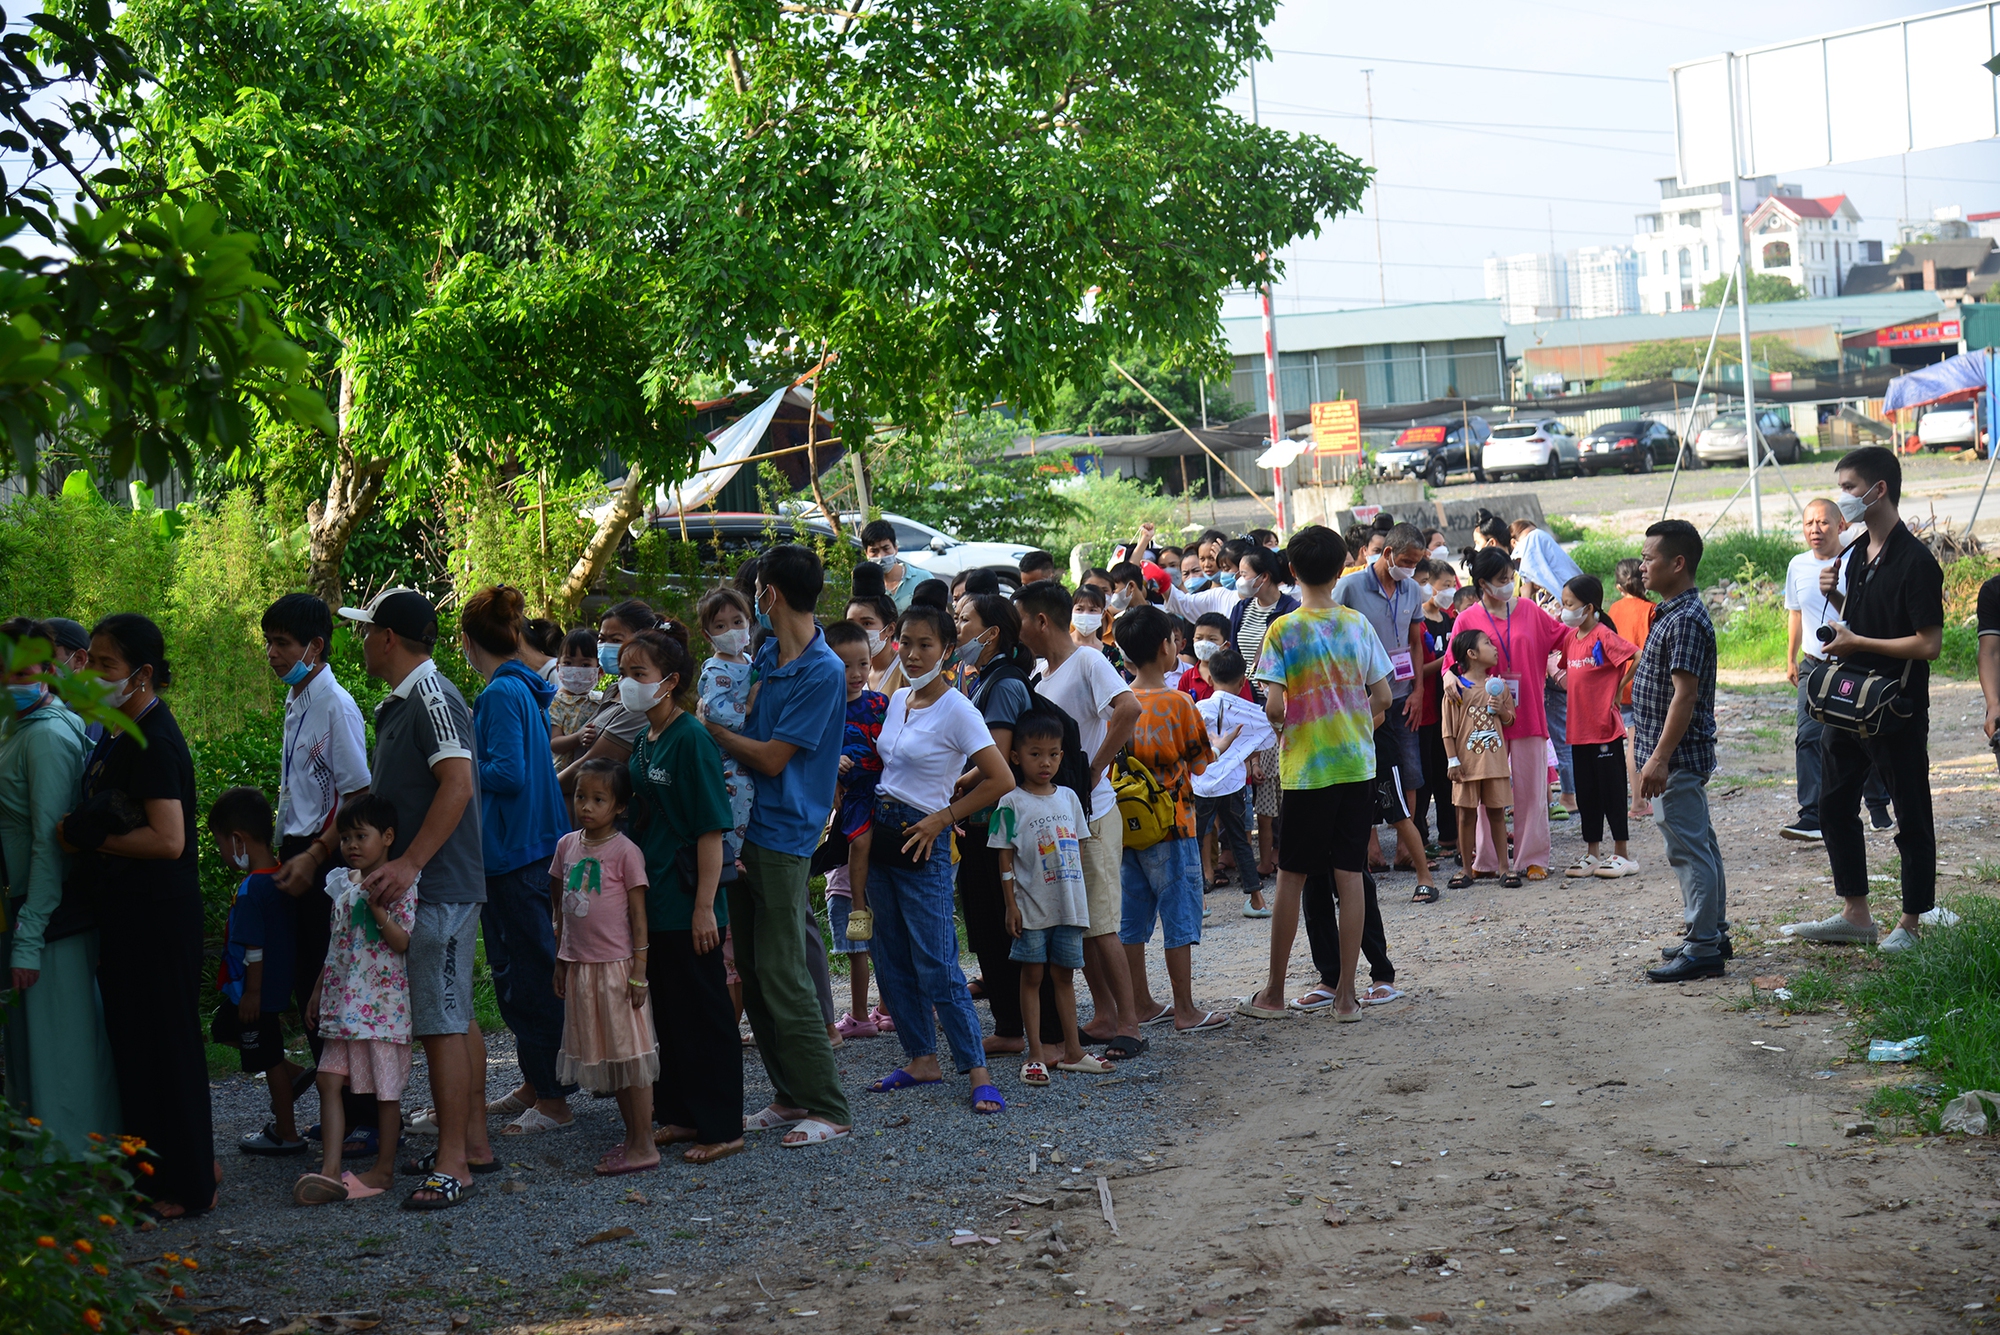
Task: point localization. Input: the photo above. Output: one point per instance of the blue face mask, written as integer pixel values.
(607, 659)
(297, 673)
(27, 697)
(1196, 583)
(1226, 580)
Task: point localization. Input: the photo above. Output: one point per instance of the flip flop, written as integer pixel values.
(1426, 894)
(770, 1119)
(818, 1133)
(900, 1079)
(705, 1154)
(1165, 1014)
(422, 1124)
(426, 1164)
(357, 1190)
(613, 1164)
(1034, 1073)
(1122, 1049)
(317, 1189)
(1378, 994)
(1352, 1017)
(1088, 1065)
(1209, 1020)
(661, 1136)
(987, 1094)
(446, 1191)
(1316, 1000)
(1250, 1008)
(534, 1122)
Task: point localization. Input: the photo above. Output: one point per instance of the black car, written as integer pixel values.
(1435, 450)
(722, 540)
(1630, 447)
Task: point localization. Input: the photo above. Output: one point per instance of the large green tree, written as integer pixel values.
(1763, 287)
(1658, 360)
(1108, 405)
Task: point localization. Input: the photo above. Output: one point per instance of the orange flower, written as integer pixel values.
(107, 1220)
(97, 1137)
(170, 1257)
(178, 1291)
(83, 1246)
(93, 1318)
(45, 1241)
(102, 1269)
(34, 1121)
(70, 1257)
(146, 1168)
(191, 1263)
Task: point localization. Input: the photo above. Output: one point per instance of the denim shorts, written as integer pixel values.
(1061, 945)
(1161, 883)
(837, 909)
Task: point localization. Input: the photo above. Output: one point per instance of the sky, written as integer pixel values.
(1487, 161)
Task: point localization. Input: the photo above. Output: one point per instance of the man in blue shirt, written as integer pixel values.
(791, 741)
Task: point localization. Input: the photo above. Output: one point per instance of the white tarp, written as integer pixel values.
(740, 439)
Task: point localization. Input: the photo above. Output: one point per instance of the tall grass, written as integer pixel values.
(1947, 988)
(1753, 637)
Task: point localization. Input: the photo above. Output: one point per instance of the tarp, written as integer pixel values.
(740, 439)
(1953, 380)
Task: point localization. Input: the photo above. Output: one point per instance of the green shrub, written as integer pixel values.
(1947, 988)
(1600, 557)
(1727, 555)
(63, 1220)
(1112, 508)
(1567, 529)
(1753, 637)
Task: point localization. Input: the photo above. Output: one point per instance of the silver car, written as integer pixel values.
(1722, 441)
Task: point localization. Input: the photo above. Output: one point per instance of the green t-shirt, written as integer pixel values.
(678, 795)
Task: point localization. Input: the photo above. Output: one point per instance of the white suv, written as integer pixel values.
(1542, 447)
(938, 552)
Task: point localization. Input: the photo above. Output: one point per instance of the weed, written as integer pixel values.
(1986, 871)
(1948, 988)
(1813, 990)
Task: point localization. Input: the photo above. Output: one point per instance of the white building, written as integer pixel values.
(1603, 280)
(1530, 287)
(1691, 240)
(1808, 242)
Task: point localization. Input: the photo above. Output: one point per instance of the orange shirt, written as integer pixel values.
(1170, 740)
(1632, 618)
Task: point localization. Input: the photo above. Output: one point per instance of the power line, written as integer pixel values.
(1503, 125)
(1449, 65)
(1467, 128)
(1502, 194)
(1392, 264)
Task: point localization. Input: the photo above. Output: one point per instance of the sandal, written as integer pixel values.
(1209, 1020)
(665, 1136)
(701, 1154)
(317, 1189)
(1378, 994)
(509, 1106)
(899, 1079)
(357, 1190)
(1316, 1000)
(446, 1191)
(770, 1119)
(1511, 880)
(815, 1131)
(1462, 881)
(533, 1122)
(1034, 1073)
(1250, 912)
(1122, 1049)
(987, 1094)
(1426, 894)
(426, 1164)
(1086, 1065)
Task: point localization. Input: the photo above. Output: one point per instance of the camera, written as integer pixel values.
(1826, 632)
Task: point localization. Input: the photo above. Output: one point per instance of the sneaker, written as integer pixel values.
(1586, 865)
(1614, 867)
(1832, 931)
(1897, 942)
(1804, 834)
(1938, 917)
(266, 1142)
(1250, 912)
(1881, 822)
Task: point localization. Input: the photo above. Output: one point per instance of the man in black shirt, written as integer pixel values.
(1892, 623)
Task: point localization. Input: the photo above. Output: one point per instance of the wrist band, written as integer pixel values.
(635, 982)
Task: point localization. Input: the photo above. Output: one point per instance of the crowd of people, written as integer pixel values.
(632, 833)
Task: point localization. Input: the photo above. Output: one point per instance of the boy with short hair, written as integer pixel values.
(256, 975)
(1237, 730)
(1163, 882)
(860, 769)
(1039, 829)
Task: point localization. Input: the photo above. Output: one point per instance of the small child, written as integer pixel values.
(597, 891)
(1237, 730)
(726, 686)
(1599, 662)
(1211, 634)
(860, 769)
(256, 962)
(1477, 705)
(361, 1005)
(1039, 828)
(1632, 617)
(577, 697)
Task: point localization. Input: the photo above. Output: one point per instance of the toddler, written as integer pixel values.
(726, 686)
(361, 1005)
(256, 963)
(577, 697)
(860, 768)
(597, 885)
(1477, 705)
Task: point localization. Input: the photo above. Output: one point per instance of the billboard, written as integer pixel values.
(1869, 92)
(1336, 426)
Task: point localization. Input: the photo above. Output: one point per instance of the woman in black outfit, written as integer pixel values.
(134, 829)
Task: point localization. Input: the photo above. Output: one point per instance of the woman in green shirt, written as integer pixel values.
(680, 808)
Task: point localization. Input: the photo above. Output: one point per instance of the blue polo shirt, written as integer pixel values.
(804, 703)
(1391, 616)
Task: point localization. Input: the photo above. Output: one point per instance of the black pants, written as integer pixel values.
(312, 933)
(701, 1053)
(149, 972)
(1227, 812)
(1600, 789)
(1323, 930)
(1902, 758)
(984, 905)
(1436, 788)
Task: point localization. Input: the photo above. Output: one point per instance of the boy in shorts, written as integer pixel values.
(256, 981)
(1326, 682)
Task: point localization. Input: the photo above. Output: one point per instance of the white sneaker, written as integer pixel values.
(1613, 867)
(1938, 917)
(1896, 942)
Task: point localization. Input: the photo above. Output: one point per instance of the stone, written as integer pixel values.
(1603, 1297)
(1853, 1129)
(904, 1313)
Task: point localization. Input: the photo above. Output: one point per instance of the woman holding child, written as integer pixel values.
(932, 735)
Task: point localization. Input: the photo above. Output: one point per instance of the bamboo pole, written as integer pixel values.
(1196, 439)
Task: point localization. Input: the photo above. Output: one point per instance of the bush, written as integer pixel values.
(1753, 637)
(63, 1217)
(1565, 529)
(1600, 557)
(1739, 554)
(1112, 508)
(1948, 989)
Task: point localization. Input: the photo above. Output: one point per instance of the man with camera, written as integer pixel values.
(1873, 695)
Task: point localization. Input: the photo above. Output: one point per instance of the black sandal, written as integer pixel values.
(425, 1165)
(1462, 881)
(1122, 1048)
(1426, 894)
(1512, 880)
(446, 1191)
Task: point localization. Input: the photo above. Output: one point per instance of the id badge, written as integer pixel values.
(1400, 665)
(1513, 690)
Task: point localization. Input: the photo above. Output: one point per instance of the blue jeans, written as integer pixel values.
(1555, 702)
(521, 954)
(915, 950)
(1164, 883)
(1812, 766)
(1696, 859)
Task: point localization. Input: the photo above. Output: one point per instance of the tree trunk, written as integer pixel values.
(350, 497)
(597, 553)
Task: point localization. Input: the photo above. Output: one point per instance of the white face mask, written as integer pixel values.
(1088, 623)
(577, 680)
(1440, 553)
(730, 641)
(638, 696)
(877, 642)
(1426, 591)
(887, 562)
(1853, 508)
(1119, 601)
(239, 860)
(1402, 573)
(1573, 616)
(1207, 649)
(1500, 592)
(919, 682)
(1445, 597)
(120, 691)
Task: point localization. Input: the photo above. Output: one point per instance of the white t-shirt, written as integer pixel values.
(1220, 713)
(925, 749)
(1083, 688)
(325, 754)
(1802, 595)
(1193, 606)
(1046, 834)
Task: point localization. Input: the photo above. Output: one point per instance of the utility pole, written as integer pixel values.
(1368, 84)
(1753, 443)
(1271, 360)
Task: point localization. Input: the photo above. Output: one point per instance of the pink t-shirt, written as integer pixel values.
(596, 881)
(1595, 664)
(1525, 637)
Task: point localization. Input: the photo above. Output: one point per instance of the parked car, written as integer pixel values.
(1541, 447)
(725, 539)
(1722, 441)
(1435, 450)
(1634, 446)
(1949, 426)
(939, 552)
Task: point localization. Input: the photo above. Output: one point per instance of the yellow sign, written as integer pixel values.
(1337, 427)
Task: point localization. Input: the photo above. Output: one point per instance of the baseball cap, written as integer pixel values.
(404, 611)
(70, 635)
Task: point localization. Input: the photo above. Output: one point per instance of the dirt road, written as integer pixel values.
(1535, 1138)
